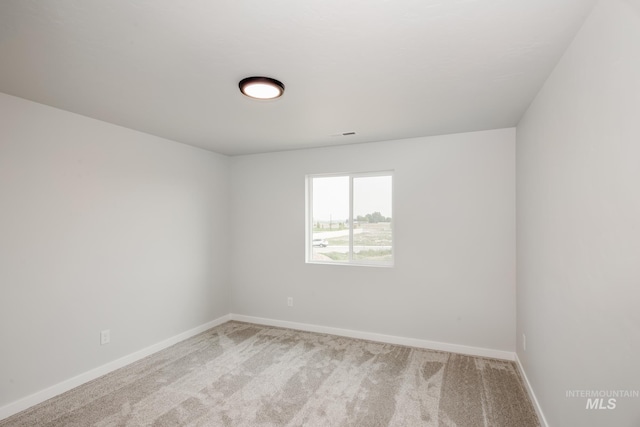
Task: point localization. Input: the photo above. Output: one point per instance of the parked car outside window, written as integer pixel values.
(320, 242)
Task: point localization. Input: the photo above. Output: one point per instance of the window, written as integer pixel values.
(349, 219)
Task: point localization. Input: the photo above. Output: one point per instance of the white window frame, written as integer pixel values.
(309, 218)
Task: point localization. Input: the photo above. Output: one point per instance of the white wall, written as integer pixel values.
(454, 213)
(101, 227)
(578, 204)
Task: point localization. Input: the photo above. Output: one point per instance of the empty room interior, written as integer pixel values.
(434, 218)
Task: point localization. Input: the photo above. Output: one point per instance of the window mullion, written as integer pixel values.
(309, 206)
(350, 218)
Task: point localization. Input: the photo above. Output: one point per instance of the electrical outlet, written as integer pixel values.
(105, 337)
(524, 342)
(290, 301)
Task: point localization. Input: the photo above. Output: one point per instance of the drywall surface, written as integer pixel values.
(454, 224)
(578, 226)
(101, 227)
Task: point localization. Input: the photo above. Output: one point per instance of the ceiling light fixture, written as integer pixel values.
(261, 87)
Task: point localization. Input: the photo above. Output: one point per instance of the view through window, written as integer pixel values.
(350, 218)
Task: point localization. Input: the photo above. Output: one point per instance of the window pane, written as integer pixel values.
(330, 219)
(372, 232)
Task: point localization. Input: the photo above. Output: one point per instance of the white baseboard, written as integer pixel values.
(390, 339)
(40, 396)
(532, 395)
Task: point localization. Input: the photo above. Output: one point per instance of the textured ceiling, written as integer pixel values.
(383, 69)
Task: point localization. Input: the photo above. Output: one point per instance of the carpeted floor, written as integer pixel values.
(240, 374)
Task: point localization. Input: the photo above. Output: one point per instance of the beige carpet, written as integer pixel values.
(240, 374)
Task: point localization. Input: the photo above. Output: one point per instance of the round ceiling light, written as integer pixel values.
(261, 87)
